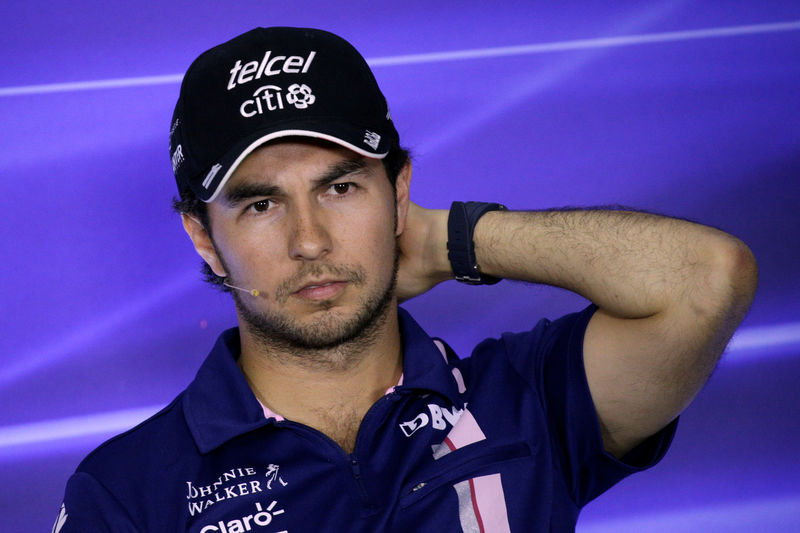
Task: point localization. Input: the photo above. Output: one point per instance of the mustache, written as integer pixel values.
(349, 273)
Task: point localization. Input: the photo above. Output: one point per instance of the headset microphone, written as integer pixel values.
(251, 292)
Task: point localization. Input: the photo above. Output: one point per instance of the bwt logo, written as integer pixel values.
(270, 97)
(439, 418)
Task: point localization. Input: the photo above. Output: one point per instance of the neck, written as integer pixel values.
(317, 386)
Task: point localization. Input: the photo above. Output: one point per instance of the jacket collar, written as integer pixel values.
(425, 366)
(219, 404)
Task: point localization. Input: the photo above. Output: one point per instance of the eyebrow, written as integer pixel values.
(342, 168)
(235, 194)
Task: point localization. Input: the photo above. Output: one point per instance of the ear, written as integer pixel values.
(203, 244)
(402, 195)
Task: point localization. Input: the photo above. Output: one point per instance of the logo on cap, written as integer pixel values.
(269, 66)
(210, 176)
(300, 96)
(270, 97)
(177, 158)
(372, 139)
(174, 127)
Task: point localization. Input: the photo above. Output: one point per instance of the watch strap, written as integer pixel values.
(461, 224)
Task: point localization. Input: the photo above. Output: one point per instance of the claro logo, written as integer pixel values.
(261, 518)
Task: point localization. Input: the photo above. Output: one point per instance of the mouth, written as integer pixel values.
(321, 290)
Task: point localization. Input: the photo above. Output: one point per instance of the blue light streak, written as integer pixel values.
(94, 329)
(773, 514)
(757, 338)
(584, 44)
(74, 426)
(438, 57)
(529, 85)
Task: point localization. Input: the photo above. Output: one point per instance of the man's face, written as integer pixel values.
(313, 227)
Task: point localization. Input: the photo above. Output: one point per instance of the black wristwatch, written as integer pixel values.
(461, 224)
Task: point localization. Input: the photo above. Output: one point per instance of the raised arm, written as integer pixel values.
(670, 294)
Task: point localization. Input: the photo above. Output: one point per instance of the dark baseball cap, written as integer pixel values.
(270, 83)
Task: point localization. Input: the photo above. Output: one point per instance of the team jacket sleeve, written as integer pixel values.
(550, 357)
(89, 507)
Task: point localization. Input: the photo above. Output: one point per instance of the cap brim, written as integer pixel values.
(221, 172)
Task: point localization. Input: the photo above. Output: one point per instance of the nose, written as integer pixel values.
(310, 238)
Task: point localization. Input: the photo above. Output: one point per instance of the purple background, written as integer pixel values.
(104, 316)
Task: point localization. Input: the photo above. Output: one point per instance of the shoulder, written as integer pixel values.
(148, 446)
(122, 485)
(546, 344)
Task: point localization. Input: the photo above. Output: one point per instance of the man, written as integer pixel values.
(329, 409)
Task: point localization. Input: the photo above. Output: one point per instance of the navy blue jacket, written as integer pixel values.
(504, 440)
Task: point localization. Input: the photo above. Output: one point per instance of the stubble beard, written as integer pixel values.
(331, 341)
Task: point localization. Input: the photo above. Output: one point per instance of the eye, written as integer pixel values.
(260, 206)
(342, 188)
